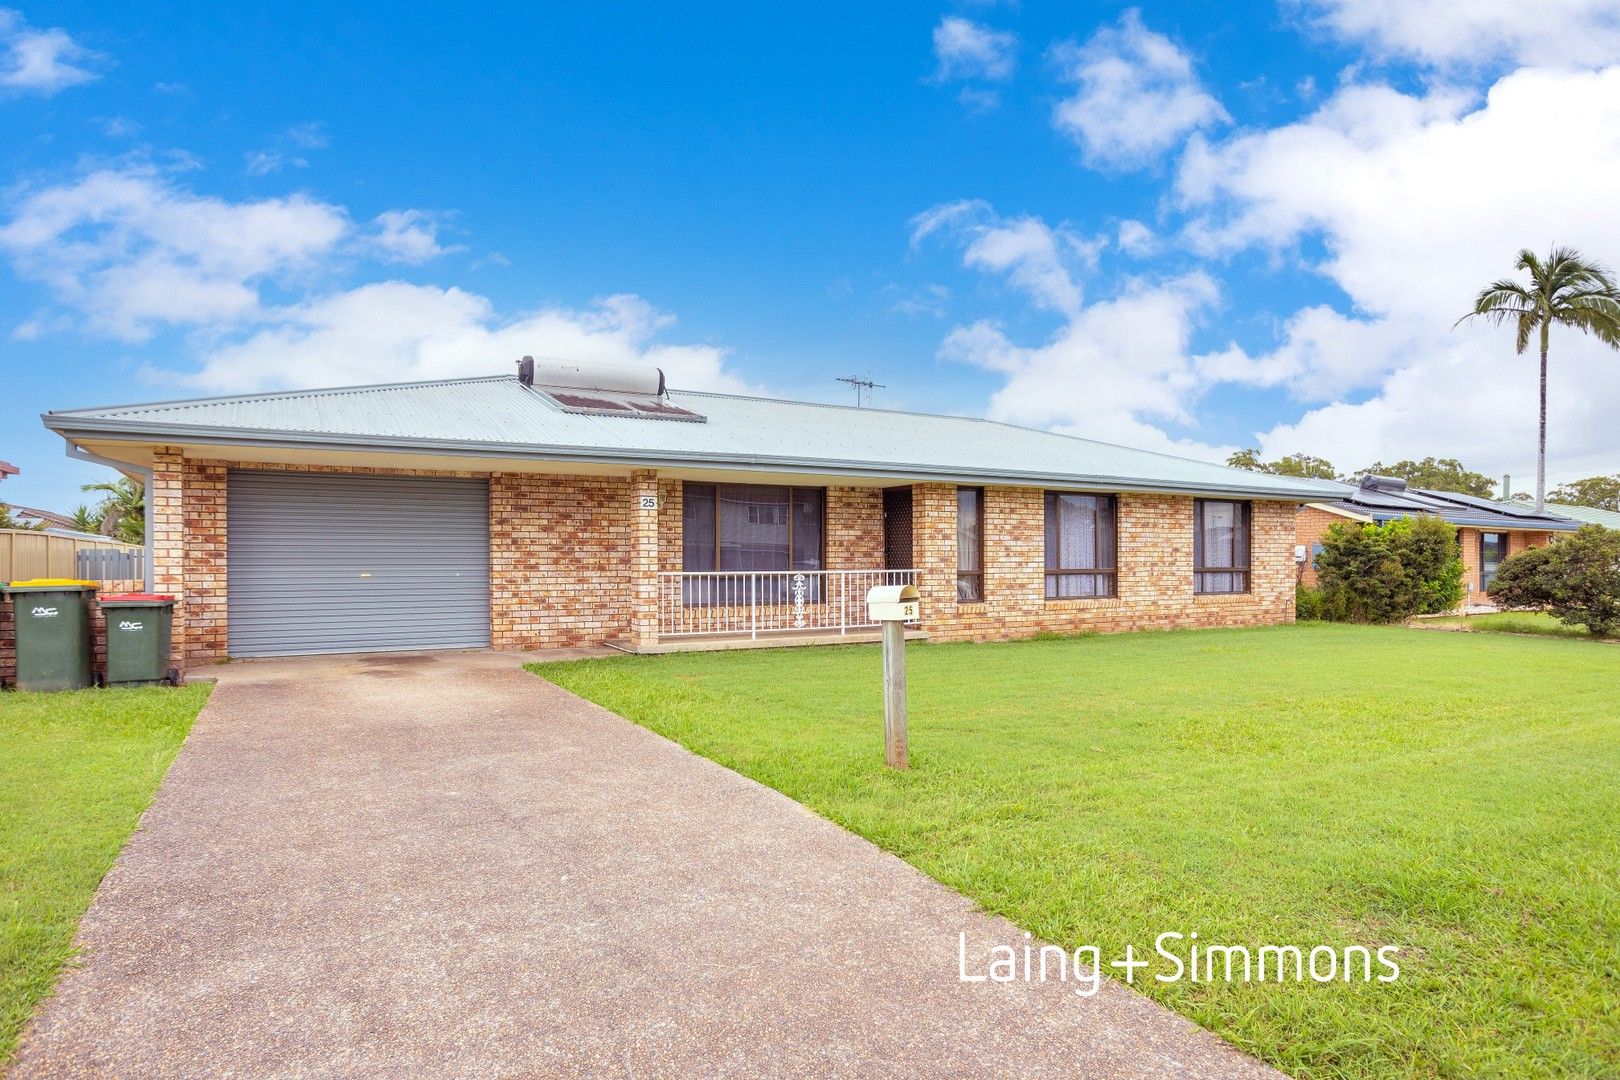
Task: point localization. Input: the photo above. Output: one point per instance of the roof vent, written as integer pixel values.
(1373, 482)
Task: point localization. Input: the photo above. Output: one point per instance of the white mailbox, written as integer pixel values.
(892, 603)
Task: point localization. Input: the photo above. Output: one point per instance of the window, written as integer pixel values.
(1220, 546)
(1080, 541)
(1492, 550)
(746, 528)
(969, 545)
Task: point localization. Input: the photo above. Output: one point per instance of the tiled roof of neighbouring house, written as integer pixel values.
(8, 469)
(1384, 498)
(49, 517)
(497, 416)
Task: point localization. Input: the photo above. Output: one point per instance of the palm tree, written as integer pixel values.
(1567, 289)
(122, 509)
(86, 520)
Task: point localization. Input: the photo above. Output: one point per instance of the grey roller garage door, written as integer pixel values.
(320, 563)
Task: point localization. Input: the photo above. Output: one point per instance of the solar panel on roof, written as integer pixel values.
(599, 403)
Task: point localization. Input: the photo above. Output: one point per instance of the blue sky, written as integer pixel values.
(1180, 226)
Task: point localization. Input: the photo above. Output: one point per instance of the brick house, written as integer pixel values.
(1487, 531)
(580, 505)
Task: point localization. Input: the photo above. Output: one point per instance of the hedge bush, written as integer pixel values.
(1389, 572)
(1576, 578)
(1308, 603)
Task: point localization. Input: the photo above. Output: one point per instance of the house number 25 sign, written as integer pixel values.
(649, 502)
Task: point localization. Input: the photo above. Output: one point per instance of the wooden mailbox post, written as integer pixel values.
(893, 606)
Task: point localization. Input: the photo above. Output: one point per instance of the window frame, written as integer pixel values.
(791, 489)
(976, 576)
(1201, 571)
(1502, 541)
(1108, 575)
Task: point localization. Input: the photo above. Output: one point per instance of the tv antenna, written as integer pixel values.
(861, 387)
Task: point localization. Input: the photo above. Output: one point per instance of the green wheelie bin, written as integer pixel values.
(139, 627)
(52, 616)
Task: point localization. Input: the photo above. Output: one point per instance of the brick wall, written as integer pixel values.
(8, 643)
(560, 560)
(1310, 525)
(565, 554)
(1154, 577)
(854, 528)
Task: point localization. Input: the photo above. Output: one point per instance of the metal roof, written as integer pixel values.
(1385, 504)
(1589, 515)
(496, 416)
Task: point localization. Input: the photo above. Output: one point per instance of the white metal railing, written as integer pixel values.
(769, 601)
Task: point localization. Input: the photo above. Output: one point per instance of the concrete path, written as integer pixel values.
(440, 866)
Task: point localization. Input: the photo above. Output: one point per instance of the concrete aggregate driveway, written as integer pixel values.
(437, 865)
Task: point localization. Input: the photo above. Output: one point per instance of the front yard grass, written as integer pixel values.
(1456, 795)
(1514, 622)
(76, 771)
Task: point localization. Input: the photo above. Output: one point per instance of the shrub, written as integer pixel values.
(1577, 579)
(1307, 603)
(1385, 573)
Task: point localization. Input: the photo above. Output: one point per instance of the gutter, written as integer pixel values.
(122, 431)
(146, 487)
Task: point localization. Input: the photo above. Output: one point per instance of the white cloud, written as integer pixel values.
(265, 162)
(1452, 34)
(1114, 369)
(968, 50)
(1137, 98)
(40, 61)
(289, 149)
(1036, 258)
(1418, 201)
(975, 100)
(1137, 239)
(929, 299)
(132, 251)
(407, 236)
(394, 331)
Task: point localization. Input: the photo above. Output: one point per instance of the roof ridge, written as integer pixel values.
(268, 395)
(986, 420)
(826, 404)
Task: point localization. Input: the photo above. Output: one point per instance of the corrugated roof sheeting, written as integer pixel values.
(1457, 508)
(497, 411)
(1589, 515)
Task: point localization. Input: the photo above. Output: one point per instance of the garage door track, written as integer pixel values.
(437, 865)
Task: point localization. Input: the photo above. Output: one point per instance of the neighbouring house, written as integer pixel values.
(1487, 531)
(33, 518)
(1588, 515)
(576, 505)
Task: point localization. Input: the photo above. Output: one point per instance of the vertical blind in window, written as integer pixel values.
(1220, 546)
(969, 544)
(1080, 545)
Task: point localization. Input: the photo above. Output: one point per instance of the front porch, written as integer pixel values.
(707, 610)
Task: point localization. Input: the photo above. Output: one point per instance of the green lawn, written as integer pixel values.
(1514, 622)
(76, 771)
(1457, 795)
